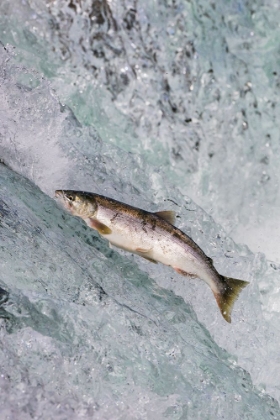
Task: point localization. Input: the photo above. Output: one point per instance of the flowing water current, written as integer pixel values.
(162, 105)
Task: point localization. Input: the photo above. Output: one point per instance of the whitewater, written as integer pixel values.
(164, 105)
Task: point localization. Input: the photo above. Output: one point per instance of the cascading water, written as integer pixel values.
(160, 105)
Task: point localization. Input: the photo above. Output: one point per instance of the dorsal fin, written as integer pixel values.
(168, 215)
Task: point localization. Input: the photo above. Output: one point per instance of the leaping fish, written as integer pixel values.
(152, 236)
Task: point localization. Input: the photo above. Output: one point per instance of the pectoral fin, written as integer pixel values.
(167, 215)
(100, 227)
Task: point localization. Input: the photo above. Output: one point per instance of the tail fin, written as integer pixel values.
(229, 295)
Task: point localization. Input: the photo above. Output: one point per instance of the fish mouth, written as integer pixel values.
(58, 193)
(63, 200)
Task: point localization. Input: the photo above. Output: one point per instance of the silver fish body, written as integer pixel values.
(154, 237)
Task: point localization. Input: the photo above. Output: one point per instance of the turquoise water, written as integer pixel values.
(163, 105)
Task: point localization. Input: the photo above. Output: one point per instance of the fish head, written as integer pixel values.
(78, 203)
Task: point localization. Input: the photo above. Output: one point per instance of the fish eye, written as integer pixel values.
(71, 197)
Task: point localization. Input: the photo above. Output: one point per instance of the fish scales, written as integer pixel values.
(154, 237)
(140, 229)
(149, 220)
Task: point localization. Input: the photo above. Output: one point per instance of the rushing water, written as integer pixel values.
(163, 105)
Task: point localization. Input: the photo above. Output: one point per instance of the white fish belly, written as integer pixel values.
(156, 247)
(174, 255)
(129, 234)
(123, 241)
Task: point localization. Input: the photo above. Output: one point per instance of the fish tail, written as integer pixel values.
(226, 298)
